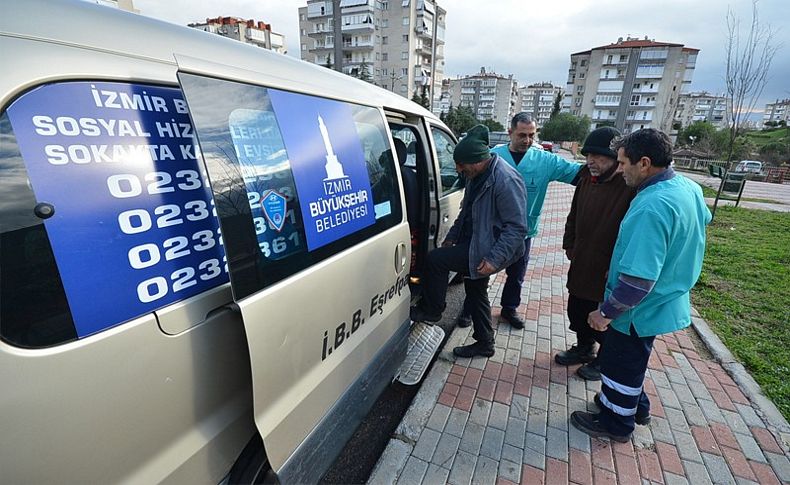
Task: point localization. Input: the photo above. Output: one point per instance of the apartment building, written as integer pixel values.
(538, 100)
(702, 106)
(630, 84)
(490, 95)
(777, 111)
(399, 43)
(250, 32)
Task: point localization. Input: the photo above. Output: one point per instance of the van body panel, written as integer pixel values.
(127, 405)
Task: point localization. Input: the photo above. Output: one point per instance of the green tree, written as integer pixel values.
(363, 72)
(421, 98)
(696, 132)
(493, 125)
(460, 119)
(556, 109)
(566, 127)
(775, 152)
(328, 63)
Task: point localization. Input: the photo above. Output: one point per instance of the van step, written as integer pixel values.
(424, 341)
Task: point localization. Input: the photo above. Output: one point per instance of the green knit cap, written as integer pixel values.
(473, 148)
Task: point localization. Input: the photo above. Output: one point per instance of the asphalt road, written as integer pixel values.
(356, 462)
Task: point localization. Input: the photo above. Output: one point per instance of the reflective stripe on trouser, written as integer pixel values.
(623, 363)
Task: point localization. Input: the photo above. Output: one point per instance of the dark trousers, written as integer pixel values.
(623, 363)
(578, 311)
(511, 292)
(438, 265)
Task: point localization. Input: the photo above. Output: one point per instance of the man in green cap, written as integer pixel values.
(487, 236)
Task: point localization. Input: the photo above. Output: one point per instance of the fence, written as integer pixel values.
(702, 164)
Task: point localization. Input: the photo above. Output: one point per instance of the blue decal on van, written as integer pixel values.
(134, 226)
(266, 170)
(328, 165)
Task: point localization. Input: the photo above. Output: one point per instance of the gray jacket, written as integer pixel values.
(499, 214)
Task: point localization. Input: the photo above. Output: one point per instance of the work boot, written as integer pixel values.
(463, 320)
(510, 316)
(641, 418)
(591, 424)
(417, 314)
(485, 349)
(577, 354)
(590, 371)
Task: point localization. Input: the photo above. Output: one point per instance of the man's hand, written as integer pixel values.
(569, 254)
(448, 244)
(485, 268)
(598, 321)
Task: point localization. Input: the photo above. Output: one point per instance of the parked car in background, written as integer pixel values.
(498, 138)
(749, 166)
(547, 145)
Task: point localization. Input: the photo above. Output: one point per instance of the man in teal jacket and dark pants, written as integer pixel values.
(537, 168)
(656, 261)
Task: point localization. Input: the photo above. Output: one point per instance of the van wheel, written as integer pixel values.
(252, 466)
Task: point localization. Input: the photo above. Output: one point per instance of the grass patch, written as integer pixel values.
(761, 138)
(707, 191)
(744, 294)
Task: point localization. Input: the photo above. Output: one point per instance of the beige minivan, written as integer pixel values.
(206, 250)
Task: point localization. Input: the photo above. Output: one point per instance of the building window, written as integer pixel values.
(583, 62)
(404, 71)
(302, 17)
(384, 40)
(304, 47)
(385, 23)
(385, 5)
(385, 56)
(404, 55)
(385, 72)
(405, 20)
(303, 32)
(405, 38)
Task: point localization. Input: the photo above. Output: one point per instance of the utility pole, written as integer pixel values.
(337, 23)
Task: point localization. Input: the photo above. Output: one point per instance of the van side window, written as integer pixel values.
(445, 145)
(105, 213)
(296, 178)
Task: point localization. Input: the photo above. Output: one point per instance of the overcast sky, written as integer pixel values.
(534, 40)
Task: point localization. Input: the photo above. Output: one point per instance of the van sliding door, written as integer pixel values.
(307, 196)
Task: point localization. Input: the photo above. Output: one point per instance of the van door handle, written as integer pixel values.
(400, 257)
(445, 218)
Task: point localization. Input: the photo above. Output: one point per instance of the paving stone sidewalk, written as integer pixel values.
(504, 420)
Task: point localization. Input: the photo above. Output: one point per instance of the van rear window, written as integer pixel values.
(128, 223)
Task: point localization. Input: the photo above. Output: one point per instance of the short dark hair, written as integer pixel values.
(522, 117)
(647, 142)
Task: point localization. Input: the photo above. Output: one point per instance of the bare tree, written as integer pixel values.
(749, 58)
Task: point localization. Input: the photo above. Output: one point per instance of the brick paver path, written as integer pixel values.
(505, 419)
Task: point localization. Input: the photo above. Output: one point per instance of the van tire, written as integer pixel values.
(252, 465)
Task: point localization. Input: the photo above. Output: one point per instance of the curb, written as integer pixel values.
(765, 408)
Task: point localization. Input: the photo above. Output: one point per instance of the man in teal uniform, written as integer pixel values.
(656, 261)
(537, 168)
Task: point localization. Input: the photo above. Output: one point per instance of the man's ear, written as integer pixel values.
(645, 162)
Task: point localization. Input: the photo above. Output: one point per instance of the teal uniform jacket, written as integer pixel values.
(538, 168)
(662, 239)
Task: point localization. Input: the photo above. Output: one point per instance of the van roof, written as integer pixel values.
(86, 25)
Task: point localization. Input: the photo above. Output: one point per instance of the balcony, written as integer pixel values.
(358, 46)
(368, 27)
(320, 32)
(642, 117)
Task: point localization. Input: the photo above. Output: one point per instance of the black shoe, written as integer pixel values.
(417, 314)
(478, 348)
(575, 355)
(591, 424)
(463, 320)
(589, 372)
(510, 316)
(640, 418)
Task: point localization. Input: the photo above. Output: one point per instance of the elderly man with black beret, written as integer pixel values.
(487, 236)
(599, 204)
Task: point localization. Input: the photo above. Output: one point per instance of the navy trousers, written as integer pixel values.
(511, 291)
(623, 361)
